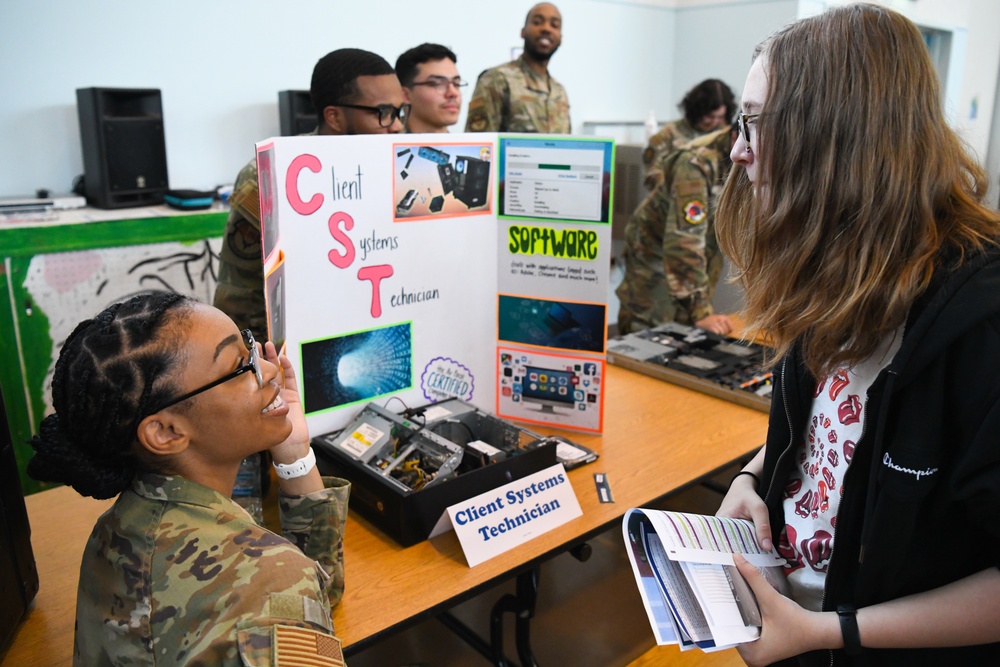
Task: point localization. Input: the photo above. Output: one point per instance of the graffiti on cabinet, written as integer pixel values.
(69, 287)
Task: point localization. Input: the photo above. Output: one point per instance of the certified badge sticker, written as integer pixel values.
(695, 212)
(445, 378)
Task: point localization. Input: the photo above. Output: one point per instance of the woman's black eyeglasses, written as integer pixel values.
(743, 121)
(252, 364)
(387, 114)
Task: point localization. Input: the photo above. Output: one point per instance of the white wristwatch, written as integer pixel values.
(297, 468)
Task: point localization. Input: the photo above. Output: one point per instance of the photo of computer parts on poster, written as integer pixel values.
(356, 367)
(442, 181)
(268, 187)
(558, 390)
(556, 179)
(565, 325)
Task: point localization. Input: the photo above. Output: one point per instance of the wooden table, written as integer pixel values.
(658, 439)
(673, 656)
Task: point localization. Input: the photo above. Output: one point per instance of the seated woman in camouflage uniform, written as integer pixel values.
(158, 399)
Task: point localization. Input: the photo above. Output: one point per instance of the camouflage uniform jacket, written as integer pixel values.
(240, 290)
(672, 260)
(512, 98)
(176, 573)
(671, 137)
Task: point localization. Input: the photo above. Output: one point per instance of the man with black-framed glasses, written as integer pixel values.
(357, 92)
(353, 92)
(431, 83)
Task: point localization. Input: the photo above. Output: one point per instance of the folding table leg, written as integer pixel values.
(522, 605)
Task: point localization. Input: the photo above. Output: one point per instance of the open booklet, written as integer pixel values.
(693, 593)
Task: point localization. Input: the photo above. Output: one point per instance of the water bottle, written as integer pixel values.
(247, 491)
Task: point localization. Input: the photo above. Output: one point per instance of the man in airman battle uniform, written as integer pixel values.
(354, 92)
(672, 260)
(521, 96)
(211, 559)
(707, 107)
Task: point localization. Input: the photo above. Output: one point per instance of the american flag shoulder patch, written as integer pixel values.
(302, 647)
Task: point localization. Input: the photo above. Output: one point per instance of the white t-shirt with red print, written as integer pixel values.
(813, 492)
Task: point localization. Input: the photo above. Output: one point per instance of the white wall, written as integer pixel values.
(220, 63)
(980, 82)
(974, 63)
(993, 154)
(716, 40)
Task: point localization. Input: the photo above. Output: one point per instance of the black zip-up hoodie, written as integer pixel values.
(921, 503)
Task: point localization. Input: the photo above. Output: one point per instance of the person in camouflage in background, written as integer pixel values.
(521, 96)
(342, 77)
(672, 260)
(157, 400)
(707, 107)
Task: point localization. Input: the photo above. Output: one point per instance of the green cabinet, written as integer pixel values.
(60, 272)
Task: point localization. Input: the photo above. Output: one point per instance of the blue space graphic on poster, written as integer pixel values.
(548, 323)
(356, 367)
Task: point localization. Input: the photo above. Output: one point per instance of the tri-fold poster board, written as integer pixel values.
(425, 267)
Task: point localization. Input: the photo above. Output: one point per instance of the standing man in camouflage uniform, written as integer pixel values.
(521, 96)
(672, 260)
(354, 92)
(707, 107)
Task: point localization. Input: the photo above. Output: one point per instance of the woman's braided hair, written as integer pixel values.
(110, 372)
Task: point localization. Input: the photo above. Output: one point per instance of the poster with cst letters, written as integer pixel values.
(411, 269)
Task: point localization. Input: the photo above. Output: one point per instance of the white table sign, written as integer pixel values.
(510, 515)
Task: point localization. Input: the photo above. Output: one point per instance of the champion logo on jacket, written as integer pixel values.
(888, 463)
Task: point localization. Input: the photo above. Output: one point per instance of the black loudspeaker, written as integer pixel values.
(472, 180)
(18, 575)
(124, 149)
(296, 112)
